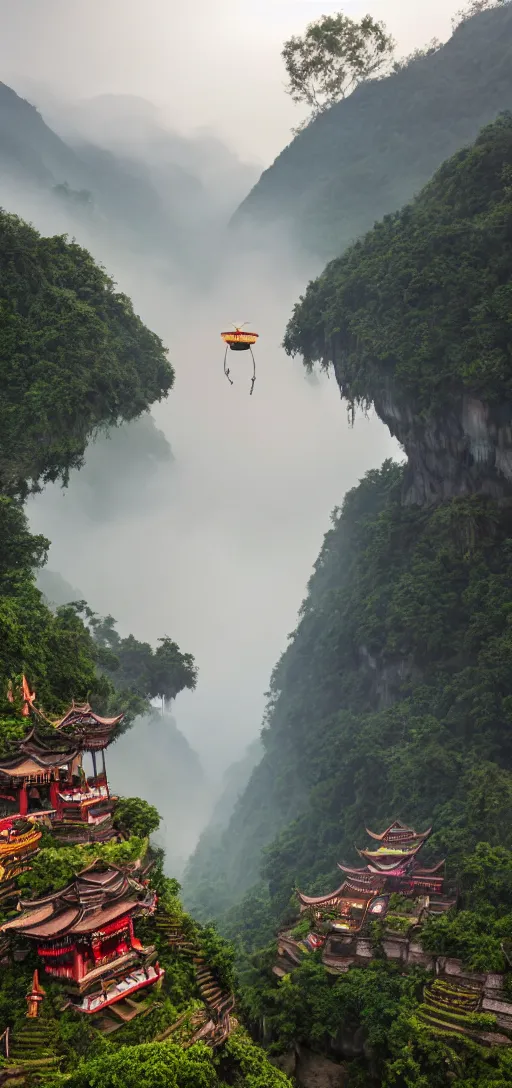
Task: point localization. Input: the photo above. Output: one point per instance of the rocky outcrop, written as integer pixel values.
(315, 1071)
(341, 953)
(464, 451)
(312, 1070)
(388, 681)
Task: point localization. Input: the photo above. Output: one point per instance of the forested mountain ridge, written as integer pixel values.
(61, 319)
(29, 149)
(209, 898)
(395, 693)
(118, 174)
(373, 151)
(415, 319)
(115, 191)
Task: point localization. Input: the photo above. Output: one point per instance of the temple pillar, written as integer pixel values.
(78, 965)
(95, 772)
(54, 795)
(105, 770)
(23, 800)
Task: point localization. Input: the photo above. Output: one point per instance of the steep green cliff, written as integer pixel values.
(394, 696)
(370, 153)
(74, 356)
(416, 320)
(395, 693)
(206, 896)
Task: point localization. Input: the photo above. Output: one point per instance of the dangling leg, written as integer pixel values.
(253, 379)
(226, 369)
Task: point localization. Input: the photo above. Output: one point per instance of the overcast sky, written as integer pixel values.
(206, 62)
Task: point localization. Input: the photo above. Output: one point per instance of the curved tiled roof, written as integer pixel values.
(95, 898)
(399, 827)
(34, 754)
(92, 731)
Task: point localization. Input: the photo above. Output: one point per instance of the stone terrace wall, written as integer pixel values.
(410, 953)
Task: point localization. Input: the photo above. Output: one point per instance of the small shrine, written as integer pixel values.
(35, 997)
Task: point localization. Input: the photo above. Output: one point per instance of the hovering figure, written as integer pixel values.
(239, 341)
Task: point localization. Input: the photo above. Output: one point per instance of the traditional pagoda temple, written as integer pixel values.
(45, 775)
(392, 867)
(93, 733)
(90, 802)
(394, 864)
(349, 907)
(85, 937)
(31, 778)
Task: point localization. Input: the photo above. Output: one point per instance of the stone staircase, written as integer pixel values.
(187, 1025)
(441, 904)
(213, 1024)
(31, 1052)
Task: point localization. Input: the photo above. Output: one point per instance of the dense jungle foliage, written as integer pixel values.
(138, 669)
(393, 698)
(88, 1058)
(379, 1004)
(420, 310)
(64, 657)
(73, 357)
(369, 154)
(55, 649)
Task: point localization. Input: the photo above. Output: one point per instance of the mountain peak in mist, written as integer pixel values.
(133, 103)
(370, 153)
(29, 149)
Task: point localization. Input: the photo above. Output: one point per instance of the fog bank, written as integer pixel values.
(221, 558)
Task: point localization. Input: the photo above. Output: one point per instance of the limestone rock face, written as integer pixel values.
(311, 1070)
(464, 450)
(287, 1063)
(314, 1071)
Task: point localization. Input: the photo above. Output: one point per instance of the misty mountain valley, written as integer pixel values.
(256, 544)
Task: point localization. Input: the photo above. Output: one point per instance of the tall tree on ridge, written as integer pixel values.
(332, 57)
